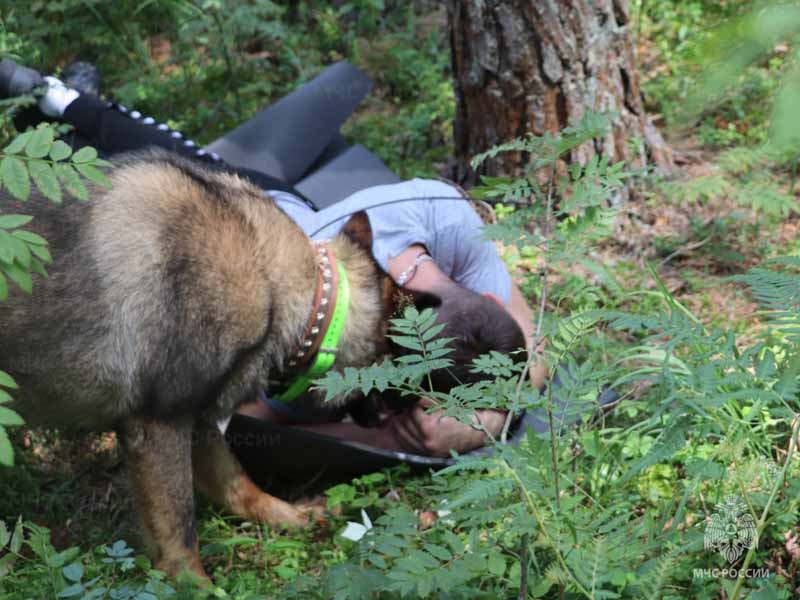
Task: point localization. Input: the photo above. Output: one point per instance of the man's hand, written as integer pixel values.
(429, 433)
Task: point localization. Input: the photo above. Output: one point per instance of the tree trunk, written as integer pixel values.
(531, 66)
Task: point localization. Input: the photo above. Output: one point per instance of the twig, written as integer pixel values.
(685, 250)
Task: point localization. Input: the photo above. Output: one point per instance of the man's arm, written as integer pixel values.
(428, 277)
(428, 432)
(524, 316)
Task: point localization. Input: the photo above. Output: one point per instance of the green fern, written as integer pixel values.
(775, 285)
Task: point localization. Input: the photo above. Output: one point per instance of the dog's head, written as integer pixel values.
(374, 297)
(476, 323)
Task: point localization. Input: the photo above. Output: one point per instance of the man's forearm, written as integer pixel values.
(524, 316)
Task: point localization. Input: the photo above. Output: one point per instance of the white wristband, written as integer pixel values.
(57, 98)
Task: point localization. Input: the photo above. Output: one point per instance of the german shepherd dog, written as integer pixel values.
(172, 297)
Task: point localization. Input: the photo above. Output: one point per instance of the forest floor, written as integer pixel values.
(696, 237)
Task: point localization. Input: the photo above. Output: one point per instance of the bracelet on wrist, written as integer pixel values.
(409, 273)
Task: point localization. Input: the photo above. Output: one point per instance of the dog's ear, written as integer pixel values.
(358, 230)
(423, 300)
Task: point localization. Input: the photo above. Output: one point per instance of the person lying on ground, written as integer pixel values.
(425, 245)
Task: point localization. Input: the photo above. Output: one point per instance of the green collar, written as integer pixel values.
(326, 355)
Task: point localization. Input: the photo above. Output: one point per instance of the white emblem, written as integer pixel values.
(731, 530)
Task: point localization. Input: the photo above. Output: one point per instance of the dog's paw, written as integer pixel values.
(268, 509)
(315, 509)
(188, 567)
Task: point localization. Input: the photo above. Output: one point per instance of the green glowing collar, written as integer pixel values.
(326, 355)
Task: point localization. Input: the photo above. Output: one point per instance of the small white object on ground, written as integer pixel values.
(356, 531)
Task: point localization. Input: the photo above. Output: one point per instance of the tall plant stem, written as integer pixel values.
(553, 442)
(523, 571)
(762, 522)
(534, 509)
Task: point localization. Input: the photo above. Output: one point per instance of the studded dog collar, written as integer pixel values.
(324, 328)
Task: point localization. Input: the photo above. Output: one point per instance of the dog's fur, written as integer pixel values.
(171, 299)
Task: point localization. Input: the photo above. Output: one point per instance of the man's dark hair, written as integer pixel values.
(477, 325)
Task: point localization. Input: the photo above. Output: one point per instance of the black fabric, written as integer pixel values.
(103, 125)
(351, 171)
(287, 137)
(268, 449)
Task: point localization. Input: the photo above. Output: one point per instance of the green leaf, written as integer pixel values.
(768, 592)
(37, 266)
(4, 534)
(76, 589)
(455, 543)
(6, 451)
(497, 564)
(45, 179)
(14, 176)
(84, 155)
(3, 288)
(541, 587)
(12, 221)
(12, 248)
(8, 248)
(40, 143)
(9, 418)
(439, 552)
(42, 253)
(5, 397)
(19, 276)
(30, 238)
(60, 151)
(17, 537)
(18, 143)
(71, 181)
(7, 382)
(20, 250)
(671, 439)
(405, 341)
(58, 560)
(429, 334)
(94, 175)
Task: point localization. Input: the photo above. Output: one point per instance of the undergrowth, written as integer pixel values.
(630, 503)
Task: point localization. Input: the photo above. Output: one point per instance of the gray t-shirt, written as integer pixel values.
(438, 218)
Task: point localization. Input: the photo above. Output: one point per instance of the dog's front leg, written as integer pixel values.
(222, 479)
(159, 456)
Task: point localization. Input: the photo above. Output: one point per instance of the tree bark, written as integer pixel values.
(531, 66)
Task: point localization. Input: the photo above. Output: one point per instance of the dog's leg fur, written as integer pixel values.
(159, 456)
(222, 479)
